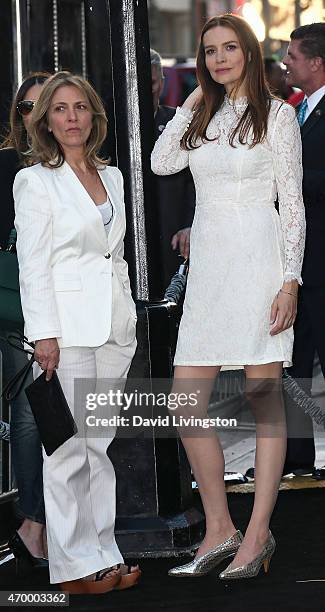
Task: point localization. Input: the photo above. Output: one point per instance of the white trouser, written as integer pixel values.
(79, 478)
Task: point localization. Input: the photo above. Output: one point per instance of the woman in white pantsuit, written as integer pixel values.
(78, 310)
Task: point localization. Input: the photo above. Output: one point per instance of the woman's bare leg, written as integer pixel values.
(271, 439)
(206, 458)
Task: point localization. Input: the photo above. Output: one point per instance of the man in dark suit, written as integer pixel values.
(175, 193)
(305, 62)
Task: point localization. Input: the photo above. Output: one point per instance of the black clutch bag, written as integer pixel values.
(52, 414)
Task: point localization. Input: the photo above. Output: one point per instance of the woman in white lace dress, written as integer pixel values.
(244, 151)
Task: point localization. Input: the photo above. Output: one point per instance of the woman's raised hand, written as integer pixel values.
(194, 98)
(47, 355)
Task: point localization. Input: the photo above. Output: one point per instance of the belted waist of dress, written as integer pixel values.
(220, 203)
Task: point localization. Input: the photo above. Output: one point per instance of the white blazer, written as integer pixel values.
(71, 274)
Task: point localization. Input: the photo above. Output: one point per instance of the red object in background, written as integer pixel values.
(180, 80)
(296, 98)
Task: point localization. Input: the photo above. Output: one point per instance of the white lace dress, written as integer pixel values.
(241, 248)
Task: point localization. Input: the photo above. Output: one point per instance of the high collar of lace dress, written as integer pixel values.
(237, 103)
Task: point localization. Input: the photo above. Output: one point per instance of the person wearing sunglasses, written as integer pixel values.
(25, 108)
(28, 543)
(15, 146)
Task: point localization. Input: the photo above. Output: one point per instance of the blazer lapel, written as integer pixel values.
(117, 228)
(104, 178)
(88, 208)
(314, 117)
(85, 204)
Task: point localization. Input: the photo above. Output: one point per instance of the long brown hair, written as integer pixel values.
(17, 135)
(258, 95)
(45, 148)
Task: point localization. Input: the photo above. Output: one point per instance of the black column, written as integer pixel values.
(7, 76)
(53, 35)
(135, 129)
(37, 37)
(99, 65)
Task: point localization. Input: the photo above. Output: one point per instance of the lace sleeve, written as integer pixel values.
(167, 156)
(287, 163)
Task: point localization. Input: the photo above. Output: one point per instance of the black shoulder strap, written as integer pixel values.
(15, 385)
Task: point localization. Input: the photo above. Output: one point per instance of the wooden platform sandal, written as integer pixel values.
(128, 578)
(105, 581)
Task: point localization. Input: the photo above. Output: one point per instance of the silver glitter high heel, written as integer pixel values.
(251, 569)
(204, 564)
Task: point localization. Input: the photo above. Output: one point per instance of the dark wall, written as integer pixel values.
(6, 66)
(99, 64)
(37, 35)
(75, 38)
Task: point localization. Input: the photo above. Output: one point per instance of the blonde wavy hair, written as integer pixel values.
(45, 148)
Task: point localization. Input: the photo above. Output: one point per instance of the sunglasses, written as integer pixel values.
(25, 107)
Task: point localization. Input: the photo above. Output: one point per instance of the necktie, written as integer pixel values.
(302, 112)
